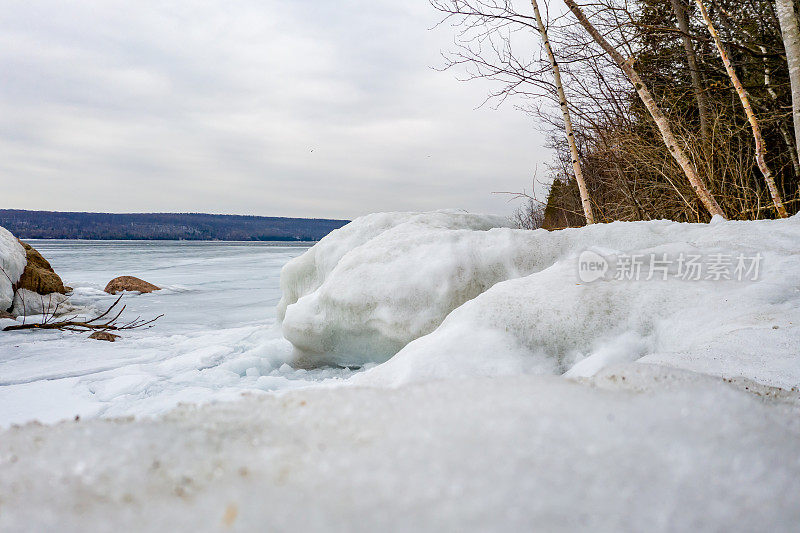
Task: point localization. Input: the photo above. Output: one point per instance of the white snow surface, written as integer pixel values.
(12, 264)
(640, 448)
(552, 322)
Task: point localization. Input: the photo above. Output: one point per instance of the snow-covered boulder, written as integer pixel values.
(12, 264)
(28, 284)
(553, 322)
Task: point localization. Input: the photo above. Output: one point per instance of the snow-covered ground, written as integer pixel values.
(573, 380)
(635, 450)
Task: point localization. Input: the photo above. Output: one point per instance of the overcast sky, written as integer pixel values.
(291, 108)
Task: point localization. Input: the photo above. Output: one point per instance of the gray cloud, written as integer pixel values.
(298, 108)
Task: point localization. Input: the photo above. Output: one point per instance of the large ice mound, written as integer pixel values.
(551, 322)
(12, 263)
(369, 288)
(372, 287)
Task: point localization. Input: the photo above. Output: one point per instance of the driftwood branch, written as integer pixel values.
(98, 323)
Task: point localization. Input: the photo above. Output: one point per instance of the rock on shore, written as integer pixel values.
(39, 276)
(28, 283)
(131, 284)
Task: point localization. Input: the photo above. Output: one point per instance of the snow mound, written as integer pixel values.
(12, 263)
(507, 454)
(372, 287)
(552, 322)
(367, 289)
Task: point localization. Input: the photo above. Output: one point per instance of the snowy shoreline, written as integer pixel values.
(502, 391)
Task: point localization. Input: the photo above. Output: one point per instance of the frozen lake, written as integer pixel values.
(218, 336)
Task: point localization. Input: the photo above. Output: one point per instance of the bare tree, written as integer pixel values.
(787, 17)
(631, 165)
(530, 215)
(785, 134)
(573, 148)
(660, 119)
(748, 109)
(703, 109)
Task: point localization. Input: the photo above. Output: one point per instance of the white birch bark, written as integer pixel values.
(661, 121)
(787, 16)
(562, 101)
(748, 109)
(787, 136)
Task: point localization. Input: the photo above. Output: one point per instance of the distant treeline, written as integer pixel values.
(163, 226)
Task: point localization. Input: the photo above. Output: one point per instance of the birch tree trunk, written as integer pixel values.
(562, 101)
(787, 137)
(661, 121)
(748, 109)
(697, 82)
(787, 17)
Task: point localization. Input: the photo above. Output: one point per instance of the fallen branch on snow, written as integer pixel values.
(94, 324)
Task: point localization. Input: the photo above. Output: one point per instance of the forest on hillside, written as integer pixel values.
(163, 226)
(674, 109)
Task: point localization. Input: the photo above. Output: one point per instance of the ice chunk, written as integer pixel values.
(303, 275)
(367, 289)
